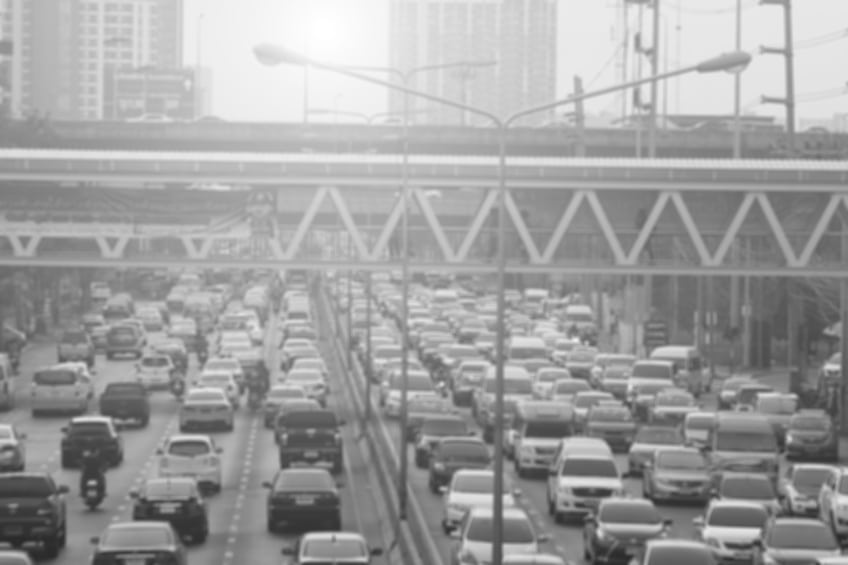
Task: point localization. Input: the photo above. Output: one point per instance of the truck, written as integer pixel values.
(126, 401)
(33, 510)
(312, 437)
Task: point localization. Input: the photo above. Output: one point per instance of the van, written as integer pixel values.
(688, 366)
(528, 352)
(7, 382)
(743, 442)
(580, 316)
(537, 428)
(535, 300)
(59, 388)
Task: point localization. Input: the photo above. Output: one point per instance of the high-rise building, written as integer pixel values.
(64, 51)
(518, 35)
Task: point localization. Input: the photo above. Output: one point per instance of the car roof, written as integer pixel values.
(488, 512)
(91, 420)
(189, 437)
(333, 536)
(678, 542)
(734, 503)
(139, 525)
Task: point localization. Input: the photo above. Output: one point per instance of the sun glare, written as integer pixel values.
(325, 38)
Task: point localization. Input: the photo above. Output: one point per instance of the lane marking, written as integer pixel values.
(244, 479)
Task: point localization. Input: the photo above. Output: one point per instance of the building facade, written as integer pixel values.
(514, 43)
(64, 51)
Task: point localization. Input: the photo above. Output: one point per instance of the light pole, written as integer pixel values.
(274, 54)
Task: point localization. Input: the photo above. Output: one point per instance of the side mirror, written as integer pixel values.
(267, 484)
(63, 489)
(698, 521)
(287, 551)
(443, 490)
(94, 540)
(134, 493)
(590, 520)
(376, 551)
(668, 522)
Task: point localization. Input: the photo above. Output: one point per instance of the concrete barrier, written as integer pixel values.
(413, 541)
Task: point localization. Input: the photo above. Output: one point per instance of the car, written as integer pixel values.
(312, 381)
(222, 380)
(84, 376)
(175, 349)
(12, 448)
(311, 437)
(778, 409)
(85, 432)
(833, 502)
(151, 318)
(672, 406)
(319, 548)
(275, 398)
(206, 408)
(579, 481)
(730, 528)
(564, 390)
(15, 557)
(697, 427)
(227, 364)
(76, 345)
(468, 377)
(123, 538)
(125, 401)
(422, 407)
(675, 551)
(315, 363)
(810, 435)
(475, 533)
(288, 406)
(546, 378)
(612, 423)
(191, 455)
(677, 473)
(451, 454)
(749, 487)
(619, 529)
(303, 496)
(155, 371)
(646, 442)
(796, 540)
(419, 384)
(34, 510)
(799, 488)
(432, 430)
(470, 488)
(176, 500)
(729, 391)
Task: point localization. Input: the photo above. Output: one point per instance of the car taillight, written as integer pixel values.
(284, 439)
(338, 438)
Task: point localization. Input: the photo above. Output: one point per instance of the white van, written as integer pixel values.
(7, 383)
(580, 316)
(688, 366)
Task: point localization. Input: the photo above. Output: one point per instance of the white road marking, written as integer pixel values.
(244, 479)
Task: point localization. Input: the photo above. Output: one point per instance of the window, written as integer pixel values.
(156, 362)
(574, 467)
(55, 378)
(137, 537)
(25, 487)
(515, 531)
(189, 448)
(629, 513)
(304, 480)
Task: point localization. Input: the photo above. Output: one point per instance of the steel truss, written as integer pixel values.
(584, 185)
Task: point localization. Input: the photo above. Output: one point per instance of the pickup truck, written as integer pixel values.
(126, 401)
(312, 437)
(33, 510)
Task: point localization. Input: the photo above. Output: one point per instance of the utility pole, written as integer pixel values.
(655, 70)
(579, 118)
(737, 154)
(788, 53)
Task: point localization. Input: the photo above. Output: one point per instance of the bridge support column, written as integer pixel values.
(197, 247)
(24, 246)
(112, 247)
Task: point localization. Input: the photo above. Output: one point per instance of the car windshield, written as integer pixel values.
(24, 487)
(674, 400)
(648, 389)
(700, 422)
(777, 405)
(748, 488)
(680, 460)
(465, 450)
(796, 534)
(587, 400)
(215, 380)
(738, 517)
(304, 480)
(189, 448)
(810, 476)
(610, 415)
(444, 427)
(155, 362)
(620, 361)
(387, 352)
(658, 436)
(134, 537)
(744, 441)
(74, 337)
(810, 423)
(477, 484)
(580, 357)
(635, 512)
(515, 531)
(549, 376)
(571, 387)
(511, 386)
(651, 371)
(548, 429)
(580, 467)
(204, 395)
(288, 392)
(334, 551)
(57, 377)
(520, 353)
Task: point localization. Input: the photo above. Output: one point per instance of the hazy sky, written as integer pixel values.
(354, 32)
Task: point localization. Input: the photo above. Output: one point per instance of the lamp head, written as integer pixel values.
(733, 62)
(272, 55)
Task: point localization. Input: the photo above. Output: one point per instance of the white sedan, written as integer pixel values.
(154, 371)
(222, 380)
(194, 456)
(471, 488)
(276, 397)
(206, 408)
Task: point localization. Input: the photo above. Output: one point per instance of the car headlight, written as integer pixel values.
(713, 542)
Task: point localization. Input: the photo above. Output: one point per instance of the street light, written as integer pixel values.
(733, 62)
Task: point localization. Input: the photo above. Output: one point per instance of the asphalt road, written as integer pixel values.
(237, 515)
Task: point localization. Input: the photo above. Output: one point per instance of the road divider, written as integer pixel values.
(411, 537)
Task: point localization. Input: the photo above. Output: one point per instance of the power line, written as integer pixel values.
(606, 65)
(822, 39)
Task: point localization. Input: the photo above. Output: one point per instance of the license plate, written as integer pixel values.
(304, 500)
(134, 561)
(311, 455)
(13, 530)
(168, 508)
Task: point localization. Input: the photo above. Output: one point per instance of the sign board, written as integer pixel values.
(655, 333)
(132, 93)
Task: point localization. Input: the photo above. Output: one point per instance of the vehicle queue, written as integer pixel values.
(763, 472)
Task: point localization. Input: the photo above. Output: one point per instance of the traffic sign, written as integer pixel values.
(655, 333)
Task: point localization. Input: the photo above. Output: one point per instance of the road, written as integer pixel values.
(237, 515)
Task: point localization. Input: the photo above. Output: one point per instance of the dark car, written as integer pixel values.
(312, 437)
(677, 473)
(91, 432)
(432, 430)
(136, 542)
(613, 424)
(451, 454)
(810, 435)
(620, 529)
(33, 509)
(289, 406)
(126, 401)
(175, 500)
(303, 497)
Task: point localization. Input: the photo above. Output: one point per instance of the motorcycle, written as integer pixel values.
(202, 356)
(178, 387)
(254, 399)
(92, 494)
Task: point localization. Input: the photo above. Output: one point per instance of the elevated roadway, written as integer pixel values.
(574, 216)
(438, 140)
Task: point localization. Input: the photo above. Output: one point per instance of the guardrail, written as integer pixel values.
(411, 535)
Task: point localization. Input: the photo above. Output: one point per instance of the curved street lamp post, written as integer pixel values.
(732, 62)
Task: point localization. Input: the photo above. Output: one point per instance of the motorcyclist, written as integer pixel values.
(202, 347)
(94, 466)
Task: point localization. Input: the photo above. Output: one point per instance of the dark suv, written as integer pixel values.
(311, 437)
(91, 432)
(32, 509)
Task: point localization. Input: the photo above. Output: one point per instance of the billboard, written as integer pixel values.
(132, 93)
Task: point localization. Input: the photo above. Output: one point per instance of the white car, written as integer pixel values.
(229, 364)
(546, 378)
(222, 380)
(729, 528)
(155, 371)
(276, 397)
(194, 456)
(475, 531)
(206, 408)
(311, 381)
(315, 364)
(833, 502)
(564, 390)
(578, 482)
(472, 488)
(420, 385)
(800, 488)
(84, 376)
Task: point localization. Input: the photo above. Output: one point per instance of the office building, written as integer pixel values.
(518, 35)
(67, 50)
